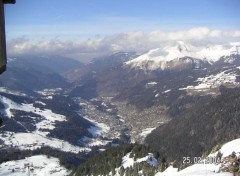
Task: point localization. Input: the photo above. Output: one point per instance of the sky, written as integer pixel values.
(88, 28)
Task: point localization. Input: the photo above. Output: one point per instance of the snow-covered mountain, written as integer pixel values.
(182, 55)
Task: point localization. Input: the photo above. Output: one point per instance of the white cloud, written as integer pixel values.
(130, 41)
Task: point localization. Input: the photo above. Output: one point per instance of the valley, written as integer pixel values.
(77, 113)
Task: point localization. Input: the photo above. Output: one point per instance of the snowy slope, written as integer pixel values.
(37, 138)
(227, 78)
(5, 90)
(39, 165)
(161, 57)
(195, 170)
(98, 131)
(47, 114)
(207, 169)
(35, 141)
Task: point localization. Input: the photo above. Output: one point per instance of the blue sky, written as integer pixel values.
(82, 19)
(90, 28)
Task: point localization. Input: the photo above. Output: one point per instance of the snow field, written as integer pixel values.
(39, 165)
(33, 141)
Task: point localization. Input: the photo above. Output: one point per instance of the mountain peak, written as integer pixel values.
(183, 46)
(163, 58)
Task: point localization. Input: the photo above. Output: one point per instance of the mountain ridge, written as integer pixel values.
(168, 56)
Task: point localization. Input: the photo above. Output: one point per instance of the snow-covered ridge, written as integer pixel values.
(159, 57)
(209, 169)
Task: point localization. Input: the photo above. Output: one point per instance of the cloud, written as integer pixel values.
(137, 41)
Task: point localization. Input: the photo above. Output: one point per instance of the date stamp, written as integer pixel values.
(200, 160)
